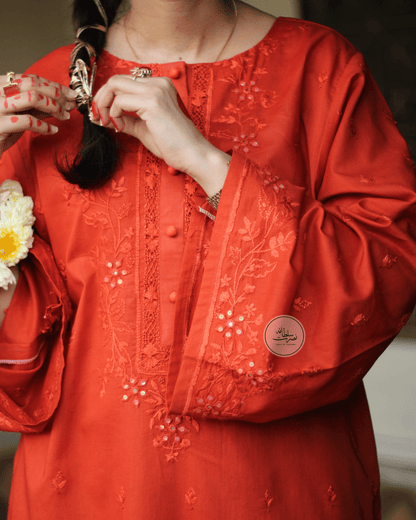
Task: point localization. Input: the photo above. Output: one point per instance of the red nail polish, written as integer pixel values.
(94, 110)
(103, 123)
(115, 124)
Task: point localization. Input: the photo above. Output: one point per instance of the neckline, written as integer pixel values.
(240, 54)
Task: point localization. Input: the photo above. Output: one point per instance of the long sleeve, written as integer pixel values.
(33, 331)
(305, 285)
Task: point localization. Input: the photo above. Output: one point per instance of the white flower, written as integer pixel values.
(6, 276)
(16, 233)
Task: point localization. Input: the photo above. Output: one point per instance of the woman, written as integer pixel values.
(199, 359)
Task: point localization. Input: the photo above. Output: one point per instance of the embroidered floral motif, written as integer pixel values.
(114, 262)
(359, 320)
(59, 482)
(300, 304)
(312, 371)
(267, 501)
(236, 370)
(366, 180)
(191, 497)
(122, 497)
(331, 495)
(322, 77)
(172, 433)
(389, 261)
(240, 115)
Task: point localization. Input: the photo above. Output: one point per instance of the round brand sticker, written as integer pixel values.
(284, 336)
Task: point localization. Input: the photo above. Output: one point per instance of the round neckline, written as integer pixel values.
(240, 54)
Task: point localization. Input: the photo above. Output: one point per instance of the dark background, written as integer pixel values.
(384, 31)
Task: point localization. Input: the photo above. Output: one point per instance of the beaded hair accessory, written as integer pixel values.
(16, 233)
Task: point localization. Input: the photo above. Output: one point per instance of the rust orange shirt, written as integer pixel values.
(164, 365)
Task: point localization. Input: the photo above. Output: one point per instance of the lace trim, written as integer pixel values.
(199, 111)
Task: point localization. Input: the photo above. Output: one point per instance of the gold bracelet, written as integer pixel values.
(215, 199)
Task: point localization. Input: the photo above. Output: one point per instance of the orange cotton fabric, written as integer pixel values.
(154, 395)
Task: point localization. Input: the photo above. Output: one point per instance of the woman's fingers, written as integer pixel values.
(144, 91)
(33, 100)
(19, 123)
(48, 88)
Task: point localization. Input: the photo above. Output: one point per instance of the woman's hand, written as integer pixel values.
(161, 126)
(37, 100)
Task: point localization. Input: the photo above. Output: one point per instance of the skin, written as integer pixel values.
(166, 29)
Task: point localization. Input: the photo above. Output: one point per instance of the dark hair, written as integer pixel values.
(96, 159)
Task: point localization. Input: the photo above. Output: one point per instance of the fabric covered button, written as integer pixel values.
(174, 73)
(172, 297)
(172, 171)
(171, 231)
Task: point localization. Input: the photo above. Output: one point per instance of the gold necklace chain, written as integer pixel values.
(138, 60)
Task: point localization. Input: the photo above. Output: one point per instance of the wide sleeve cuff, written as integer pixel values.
(32, 343)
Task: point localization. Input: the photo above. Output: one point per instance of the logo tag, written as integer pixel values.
(284, 336)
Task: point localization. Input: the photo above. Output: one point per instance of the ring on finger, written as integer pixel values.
(12, 88)
(141, 72)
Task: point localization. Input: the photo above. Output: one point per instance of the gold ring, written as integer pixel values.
(10, 77)
(141, 72)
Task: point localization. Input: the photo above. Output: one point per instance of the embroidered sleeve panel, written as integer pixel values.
(273, 241)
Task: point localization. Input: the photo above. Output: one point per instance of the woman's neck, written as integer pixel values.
(173, 30)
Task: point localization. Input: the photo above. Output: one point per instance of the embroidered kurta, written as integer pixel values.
(163, 365)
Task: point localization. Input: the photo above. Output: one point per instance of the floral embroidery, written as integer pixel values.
(59, 482)
(122, 497)
(300, 304)
(114, 262)
(366, 180)
(267, 500)
(322, 77)
(389, 261)
(235, 369)
(172, 433)
(331, 495)
(313, 371)
(240, 114)
(191, 497)
(359, 320)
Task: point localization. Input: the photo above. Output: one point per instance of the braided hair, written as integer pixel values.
(96, 159)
